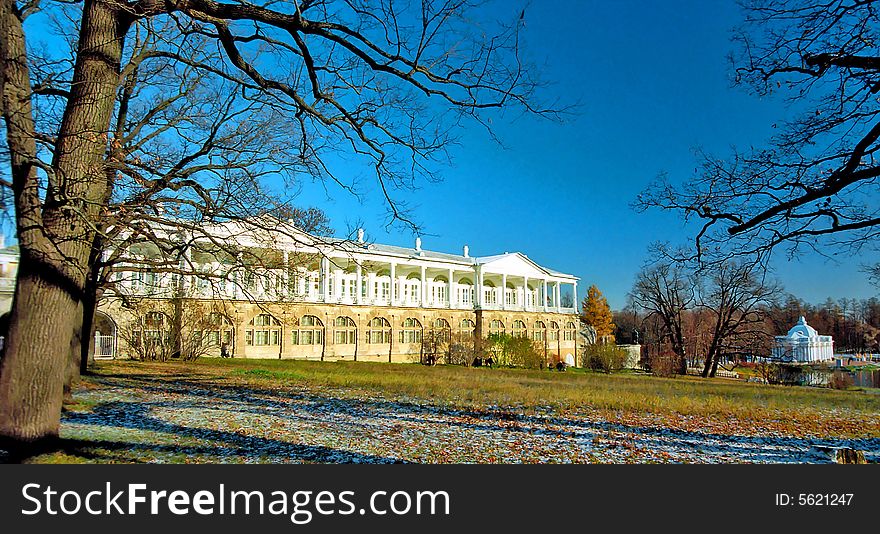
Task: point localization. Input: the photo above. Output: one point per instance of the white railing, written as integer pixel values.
(279, 295)
(7, 285)
(105, 346)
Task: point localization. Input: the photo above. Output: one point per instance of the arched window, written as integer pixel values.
(411, 290)
(490, 296)
(540, 332)
(412, 331)
(465, 291)
(145, 280)
(569, 333)
(496, 327)
(530, 296)
(439, 290)
(344, 331)
(153, 330)
(309, 332)
(554, 331)
(466, 328)
(382, 286)
(263, 330)
(155, 320)
(510, 294)
(442, 330)
(379, 331)
(519, 329)
(349, 283)
(213, 329)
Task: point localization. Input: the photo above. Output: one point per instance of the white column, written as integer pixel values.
(185, 267)
(574, 293)
(401, 283)
(544, 294)
(451, 297)
(324, 274)
(393, 291)
(337, 284)
(556, 296)
(424, 297)
(238, 276)
(504, 291)
(285, 274)
(525, 302)
(359, 285)
(478, 287)
(371, 286)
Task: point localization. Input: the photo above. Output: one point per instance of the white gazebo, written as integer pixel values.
(803, 344)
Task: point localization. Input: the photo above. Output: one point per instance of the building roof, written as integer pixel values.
(802, 329)
(265, 224)
(405, 251)
(378, 248)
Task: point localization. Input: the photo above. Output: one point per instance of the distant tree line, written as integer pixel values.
(728, 314)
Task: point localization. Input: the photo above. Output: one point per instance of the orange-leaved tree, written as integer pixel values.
(596, 312)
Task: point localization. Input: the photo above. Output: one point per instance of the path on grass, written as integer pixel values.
(154, 419)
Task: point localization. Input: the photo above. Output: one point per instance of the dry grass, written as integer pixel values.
(529, 390)
(632, 400)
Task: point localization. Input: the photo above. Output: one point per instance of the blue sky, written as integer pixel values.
(653, 82)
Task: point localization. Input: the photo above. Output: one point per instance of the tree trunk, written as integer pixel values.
(30, 379)
(74, 354)
(711, 356)
(33, 366)
(55, 240)
(90, 306)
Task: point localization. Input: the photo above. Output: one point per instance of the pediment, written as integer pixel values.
(516, 265)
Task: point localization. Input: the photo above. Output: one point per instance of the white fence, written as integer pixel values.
(105, 346)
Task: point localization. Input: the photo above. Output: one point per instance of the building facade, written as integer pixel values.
(287, 294)
(803, 344)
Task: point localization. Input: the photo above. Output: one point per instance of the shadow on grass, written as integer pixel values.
(361, 416)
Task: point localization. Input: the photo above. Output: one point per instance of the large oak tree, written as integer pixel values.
(387, 81)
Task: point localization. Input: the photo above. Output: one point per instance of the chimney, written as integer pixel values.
(418, 244)
(360, 235)
(466, 250)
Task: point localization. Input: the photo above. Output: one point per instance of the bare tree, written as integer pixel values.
(349, 75)
(738, 298)
(169, 125)
(815, 183)
(666, 291)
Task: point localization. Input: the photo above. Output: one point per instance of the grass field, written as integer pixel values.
(214, 410)
(527, 390)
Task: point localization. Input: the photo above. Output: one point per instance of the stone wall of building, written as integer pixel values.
(240, 314)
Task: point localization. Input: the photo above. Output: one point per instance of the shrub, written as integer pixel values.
(525, 353)
(512, 351)
(663, 364)
(605, 358)
(841, 380)
(461, 350)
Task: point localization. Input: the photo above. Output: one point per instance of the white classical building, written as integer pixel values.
(273, 291)
(803, 344)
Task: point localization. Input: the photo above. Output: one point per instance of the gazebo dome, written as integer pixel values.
(802, 329)
(803, 344)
